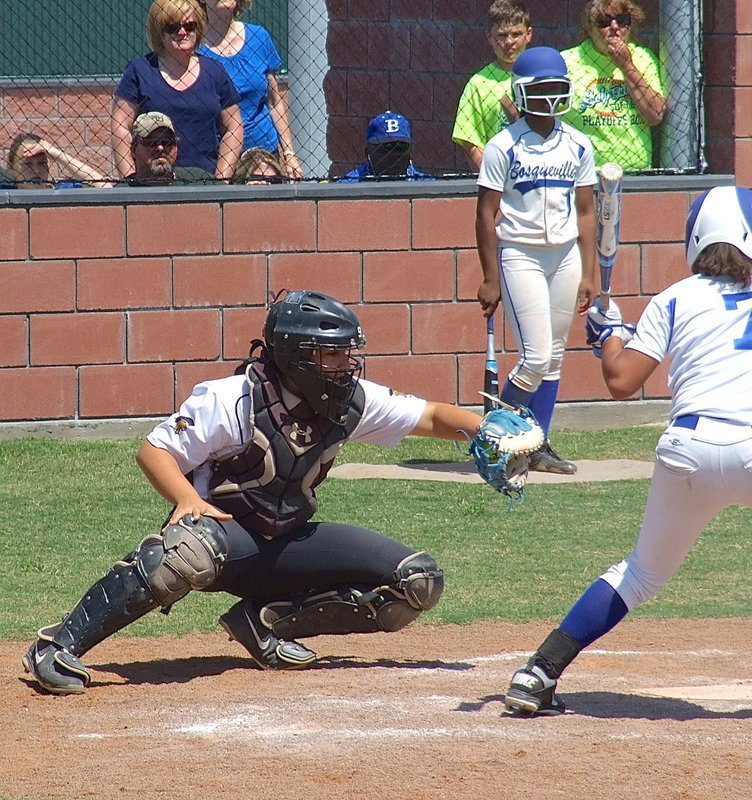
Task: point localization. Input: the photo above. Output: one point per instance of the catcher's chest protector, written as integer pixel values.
(269, 486)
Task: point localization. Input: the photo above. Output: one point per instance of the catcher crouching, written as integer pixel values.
(240, 462)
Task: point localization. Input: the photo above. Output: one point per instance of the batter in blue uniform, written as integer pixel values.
(535, 230)
(703, 463)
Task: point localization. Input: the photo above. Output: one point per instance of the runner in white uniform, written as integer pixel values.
(704, 458)
(240, 463)
(538, 254)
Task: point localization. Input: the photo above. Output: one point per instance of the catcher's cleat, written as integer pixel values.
(56, 669)
(531, 693)
(546, 459)
(243, 625)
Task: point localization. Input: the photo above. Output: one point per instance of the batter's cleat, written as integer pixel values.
(55, 669)
(547, 460)
(243, 625)
(531, 693)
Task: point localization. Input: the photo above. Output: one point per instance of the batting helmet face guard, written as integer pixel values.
(298, 329)
(540, 75)
(722, 214)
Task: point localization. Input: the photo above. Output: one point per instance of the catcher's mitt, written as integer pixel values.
(501, 449)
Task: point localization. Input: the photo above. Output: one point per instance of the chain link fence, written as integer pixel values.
(338, 64)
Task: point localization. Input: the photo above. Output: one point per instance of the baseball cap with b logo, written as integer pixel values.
(149, 122)
(388, 127)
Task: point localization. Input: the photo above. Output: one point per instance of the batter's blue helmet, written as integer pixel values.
(538, 66)
(721, 214)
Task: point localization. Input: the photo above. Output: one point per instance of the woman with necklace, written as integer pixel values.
(194, 91)
(250, 58)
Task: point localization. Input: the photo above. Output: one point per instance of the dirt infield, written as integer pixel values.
(416, 714)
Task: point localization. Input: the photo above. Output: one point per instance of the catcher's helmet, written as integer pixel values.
(305, 321)
(542, 66)
(721, 214)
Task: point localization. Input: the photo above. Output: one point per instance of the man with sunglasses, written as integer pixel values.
(155, 151)
(389, 144)
(618, 96)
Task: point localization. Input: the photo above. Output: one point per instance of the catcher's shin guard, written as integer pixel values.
(417, 586)
(160, 572)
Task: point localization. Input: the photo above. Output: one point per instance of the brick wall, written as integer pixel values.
(118, 309)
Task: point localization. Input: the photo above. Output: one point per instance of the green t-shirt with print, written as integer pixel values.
(479, 113)
(603, 109)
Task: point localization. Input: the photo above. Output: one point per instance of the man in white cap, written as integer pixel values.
(155, 151)
(389, 144)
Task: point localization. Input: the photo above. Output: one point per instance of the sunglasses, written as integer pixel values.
(153, 144)
(173, 27)
(622, 20)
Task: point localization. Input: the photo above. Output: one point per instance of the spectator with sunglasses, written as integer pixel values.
(618, 96)
(248, 54)
(193, 91)
(259, 166)
(389, 144)
(155, 150)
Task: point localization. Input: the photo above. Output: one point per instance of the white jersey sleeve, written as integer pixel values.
(208, 424)
(388, 416)
(704, 327)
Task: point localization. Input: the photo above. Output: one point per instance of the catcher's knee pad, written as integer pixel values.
(188, 555)
(417, 585)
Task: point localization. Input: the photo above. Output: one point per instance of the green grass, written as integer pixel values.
(71, 508)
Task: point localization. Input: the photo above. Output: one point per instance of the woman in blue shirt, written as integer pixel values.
(250, 58)
(194, 91)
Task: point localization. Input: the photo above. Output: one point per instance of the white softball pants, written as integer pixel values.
(697, 474)
(539, 294)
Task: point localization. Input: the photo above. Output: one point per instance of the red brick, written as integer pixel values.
(662, 265)
(625, 275)
(581, 377)
(30, 103)
(386, 327)
(363, 225)
(173, 335)
(743, 161)
(220, 280)
(743, 114)
(469, 274)
(85, 102)
(126, 390)
(656, 386)
(13, 240)
(13, 341)
(274, 226)
(367, 89)
(337, 274)
(432, 377)
(173, 229)
(188, 375)
(97, 134)
(106, 283)
(76, 232)
(471, 371)
(719, 109)
(429, 43)
(444, 223)
(239, 327)
(720, 55)
(401, 276)
(658, 217)
(77, 338)
(448, 328)
(37, 286)
(48, 393)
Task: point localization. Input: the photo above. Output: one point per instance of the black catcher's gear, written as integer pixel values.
(305, 321)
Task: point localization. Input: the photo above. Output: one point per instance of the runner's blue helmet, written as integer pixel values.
(541, 67)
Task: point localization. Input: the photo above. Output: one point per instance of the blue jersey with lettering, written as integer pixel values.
(537, 178)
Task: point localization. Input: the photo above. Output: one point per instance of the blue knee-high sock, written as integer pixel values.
(542, 403)
(513, 395)
(598, 610)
